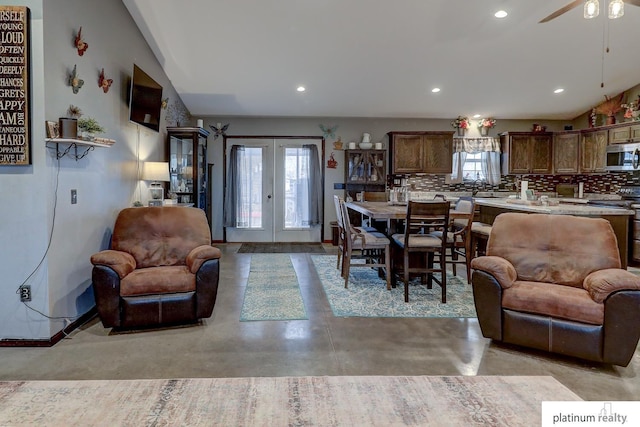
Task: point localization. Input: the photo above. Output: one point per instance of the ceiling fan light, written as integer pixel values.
(616, 9)
(591, 9)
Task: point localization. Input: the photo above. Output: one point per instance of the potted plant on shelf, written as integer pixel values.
(89, 127)
(461, 124)
(485, 124)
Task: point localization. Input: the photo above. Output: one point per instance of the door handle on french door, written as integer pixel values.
(268, 196)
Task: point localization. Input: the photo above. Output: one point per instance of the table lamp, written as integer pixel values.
(156, 172)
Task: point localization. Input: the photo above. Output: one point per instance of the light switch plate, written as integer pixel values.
(74, 196)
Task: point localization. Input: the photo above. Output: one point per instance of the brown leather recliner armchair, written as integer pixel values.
(554, 283)
(161, 268)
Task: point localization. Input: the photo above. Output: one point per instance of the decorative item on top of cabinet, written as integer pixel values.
(485, 124)
(593, 151)
(461, 124)
(526, 152)
(187, 152)
(566, 152)
(610, 107)
(421, 152)
(624, 133)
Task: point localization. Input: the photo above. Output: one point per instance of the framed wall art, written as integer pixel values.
(15, 135)
(53, 129)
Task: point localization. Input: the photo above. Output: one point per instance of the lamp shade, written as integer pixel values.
(155, 171)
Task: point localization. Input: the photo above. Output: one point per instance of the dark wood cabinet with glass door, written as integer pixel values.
(365, 171)
(187, 147)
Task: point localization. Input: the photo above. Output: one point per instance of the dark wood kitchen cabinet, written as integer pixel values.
(527, 153)
(421, 152)
(566, 153)
(593, 151)
(624, 133)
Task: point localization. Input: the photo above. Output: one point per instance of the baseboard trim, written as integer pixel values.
(54, 339)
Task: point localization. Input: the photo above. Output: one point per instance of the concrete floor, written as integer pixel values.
(222, 346)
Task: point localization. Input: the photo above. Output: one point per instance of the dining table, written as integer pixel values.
(395, 214)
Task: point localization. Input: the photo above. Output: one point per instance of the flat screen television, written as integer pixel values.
(145, 100)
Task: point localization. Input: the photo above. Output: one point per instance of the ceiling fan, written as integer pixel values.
(591, 8)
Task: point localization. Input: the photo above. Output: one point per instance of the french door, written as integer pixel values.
(272, 190)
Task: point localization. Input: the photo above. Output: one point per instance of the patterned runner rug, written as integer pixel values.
(281, 248)
(272, 290)
(285, 401)
(367, 295)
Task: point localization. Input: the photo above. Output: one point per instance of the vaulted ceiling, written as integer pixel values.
(379, 58)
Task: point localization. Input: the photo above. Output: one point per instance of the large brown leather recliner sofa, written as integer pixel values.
(161, 268)
(554, 283)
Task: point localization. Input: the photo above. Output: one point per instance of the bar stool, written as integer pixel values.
(480, 232)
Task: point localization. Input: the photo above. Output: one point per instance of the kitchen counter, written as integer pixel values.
(562, 209)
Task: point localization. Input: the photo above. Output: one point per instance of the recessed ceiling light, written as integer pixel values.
(301, 89)
(476, 116)
(559, 90)
(435, 90)
(500, 14)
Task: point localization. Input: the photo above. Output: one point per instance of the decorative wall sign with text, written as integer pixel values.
(15, 136)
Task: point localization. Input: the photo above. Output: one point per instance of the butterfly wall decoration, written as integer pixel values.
(219, 130)
(104, 83)
(328, 131)
(80, 44)
(75, 81)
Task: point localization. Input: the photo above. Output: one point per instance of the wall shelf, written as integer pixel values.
(73, 144)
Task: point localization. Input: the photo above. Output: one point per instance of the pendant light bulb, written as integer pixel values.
(591, 9)
(616, 9)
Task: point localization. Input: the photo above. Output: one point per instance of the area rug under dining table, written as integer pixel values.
(283, 401)
(367, 295)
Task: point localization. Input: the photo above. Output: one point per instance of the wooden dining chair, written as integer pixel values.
(371, 246)
(337, 201)
(378, 224)
(459, 239)
(419, 247)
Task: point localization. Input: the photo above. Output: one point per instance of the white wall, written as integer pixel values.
(348, 129)
(106, 179)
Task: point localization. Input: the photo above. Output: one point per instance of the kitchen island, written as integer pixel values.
(618, 217)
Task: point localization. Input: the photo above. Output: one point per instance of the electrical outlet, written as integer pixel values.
(25, 293)
(74, 196)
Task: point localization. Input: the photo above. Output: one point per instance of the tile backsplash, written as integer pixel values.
(593, 183)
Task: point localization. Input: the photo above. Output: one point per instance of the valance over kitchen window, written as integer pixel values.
(476, 145)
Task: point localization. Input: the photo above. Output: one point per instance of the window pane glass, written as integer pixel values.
(472, 169)
(296, 188)
(250, 211)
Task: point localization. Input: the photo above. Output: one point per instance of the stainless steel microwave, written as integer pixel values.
(623, 157)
